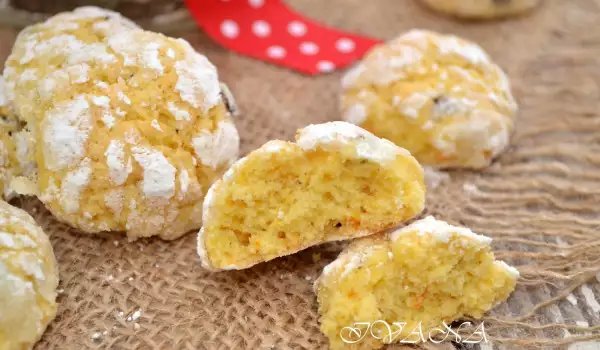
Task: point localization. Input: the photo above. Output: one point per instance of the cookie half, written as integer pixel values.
(336, 182)
(424, 275)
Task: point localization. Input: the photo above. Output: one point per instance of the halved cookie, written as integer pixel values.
(336, 182)
(416, 278)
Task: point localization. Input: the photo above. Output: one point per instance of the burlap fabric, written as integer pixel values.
(540, 202)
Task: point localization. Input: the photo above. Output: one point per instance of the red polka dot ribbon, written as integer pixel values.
(270, 31)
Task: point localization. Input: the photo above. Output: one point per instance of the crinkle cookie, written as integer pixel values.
(9, 126)
(131, 134)
(16, 147)
(336, 182)
(427, 273)
(48, 57)
(28, 280)
(482, 9)
(439, 96)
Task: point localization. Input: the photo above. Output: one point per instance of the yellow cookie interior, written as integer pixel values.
(416, 279)
(276, 203)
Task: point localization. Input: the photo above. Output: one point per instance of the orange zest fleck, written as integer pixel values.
(419, 300)
(354, 222)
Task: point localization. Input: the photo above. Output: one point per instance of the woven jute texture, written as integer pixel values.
(540, 202)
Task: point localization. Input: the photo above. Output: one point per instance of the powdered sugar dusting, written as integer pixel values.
(356, 114)
(104, 103)
(26, 266)
(159, 174)
(67, 128)
(356, 260)
(201, 247)
(412, 105)
(156, 125)
(96, 52)
(178, 113)
(12, 241)
(352, 75)
(93, 12)
(197, 82)
(273, 146)
(451, 45)
(510, 269)
(34, 48)
(184, 181)
(119, 167)
(62, 78)
(72, 185)
(114, 200)
(121, 96)
(333, 134)
(452, 106)
(150, 57)
(137, 50)
(418, 37)
(403, 56)
(349, 260)
(441, 230)
(51, 192)
(218, 148)
(485, 131)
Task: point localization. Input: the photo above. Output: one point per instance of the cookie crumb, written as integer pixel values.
(470, 188)
(134, 316)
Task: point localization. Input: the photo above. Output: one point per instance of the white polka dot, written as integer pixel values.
(309, 48)
(296, 28)
(230, 29)
(345, 45)
(261, 29)
(256, 3)
(325, 66)
(276, 52)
